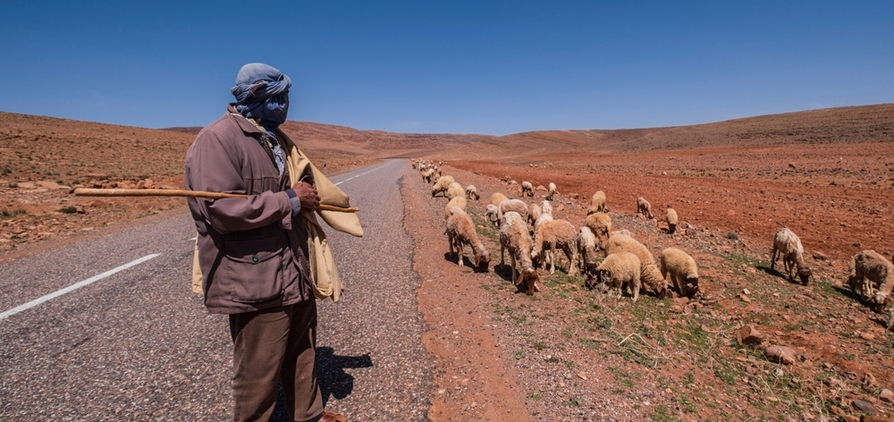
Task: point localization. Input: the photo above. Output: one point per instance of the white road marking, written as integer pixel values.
(74, 287)
(362, 174)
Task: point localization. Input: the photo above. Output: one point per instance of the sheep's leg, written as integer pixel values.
(512, 255)
(460, 253)
(450, 242)
(775, 257)
(502, 249)
(572, 258)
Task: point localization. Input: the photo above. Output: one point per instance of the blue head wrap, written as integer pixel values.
(262, 92)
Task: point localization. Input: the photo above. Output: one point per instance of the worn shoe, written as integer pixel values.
(333, 417)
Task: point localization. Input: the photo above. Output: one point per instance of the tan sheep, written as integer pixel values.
(551, 192)
(552, 236)
(534, 212)
(644, 208)
(671, 219)
(472, 192)
(586, 246)
(454, 190)
(787, 245)
(874, 275)
(682, 271)
(514, 237)
(527, 189)
(597, 203)
(616, 270)
(461, 231)
(546, 206)
(542, 219)
(459, 202)
(492, 214)
(516, 205)
(427, 175)
(649, 272)
(441, 185)
(600, 224)
(496, 198)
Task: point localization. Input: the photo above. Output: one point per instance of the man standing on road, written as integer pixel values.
(253, 251)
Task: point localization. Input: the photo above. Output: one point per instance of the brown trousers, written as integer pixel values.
(270, 345)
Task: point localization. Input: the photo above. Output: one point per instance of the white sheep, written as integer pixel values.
(586, 246)
(551, 191)
(527, 189)
(600, 224)
(546, 206)
(682, 270)
(671, 219)
(492, 214)
(516, 205)
(542, 219)
(874, 275)
(514, 237)
(597, 203)
(787, 245)
(496, 198)
(616, 270)
(441, 185)
(461, 231)
(472, 192)
(459, 202)
(649, 272)
(427, 175)
(455, 189)
(552, 236)
(534, 212)
(644, 208)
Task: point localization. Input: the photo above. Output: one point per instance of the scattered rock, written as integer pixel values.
(820, 256)
(748, 335)
(886, 395)
(780, 354)
(864, 406)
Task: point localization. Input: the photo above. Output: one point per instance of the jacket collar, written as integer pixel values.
(242, 121)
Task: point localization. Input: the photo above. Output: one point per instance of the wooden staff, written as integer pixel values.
(187, 194)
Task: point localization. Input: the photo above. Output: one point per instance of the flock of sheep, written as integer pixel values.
(533, 237)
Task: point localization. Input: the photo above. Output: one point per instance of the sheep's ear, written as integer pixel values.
(521, 278)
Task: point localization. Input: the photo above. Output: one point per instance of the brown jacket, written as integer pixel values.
(252, 252)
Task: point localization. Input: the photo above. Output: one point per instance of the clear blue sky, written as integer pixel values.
(448, 66)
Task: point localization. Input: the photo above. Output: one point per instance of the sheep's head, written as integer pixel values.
(591, 270)
(881, 301)
(530, 278)
(690, 287)
(482, 262)
(804, 274)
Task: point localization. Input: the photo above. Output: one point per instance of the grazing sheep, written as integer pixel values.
(649, 272)
(492, 214)
(496, 198)
(472, 192)
(514, 237)
(600, 224)
(671, 218)
(787, 245)
(542, 219)
(459, 202)
(682, 270)
(874, 275)
(461, 231)
(441, 185)
(527, 188)
(534, 212)
(644, 208)
(427, 175)
(586, 246)
(597, 203)
(552, 191)
(454, 190)
(546, 207)
(516, 205)
(616, 270)
(553, 235)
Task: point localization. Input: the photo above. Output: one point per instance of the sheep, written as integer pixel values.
(527, 189)
(441, 185)
(644, 208)
(472, 192)
(872, 271)
(542, 219)
(682, 270)
(516, 205)
(496, 198)
(454, 190)
(597, 203)
(616, 270)
(586, 246)
(514, 237)
(427, 175)
(671, 218)
(460, 231)
(534, 212)
(546, 207)
(601, 225)
(553, 235)
(492, 214)
(459, 202)
(552, 191)
(649, 272)
(787, 245)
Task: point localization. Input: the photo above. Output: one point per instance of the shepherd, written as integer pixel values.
(263, 259)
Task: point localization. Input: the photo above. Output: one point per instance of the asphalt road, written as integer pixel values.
(137, 344)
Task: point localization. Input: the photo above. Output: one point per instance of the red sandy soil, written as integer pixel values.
(568, 353)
